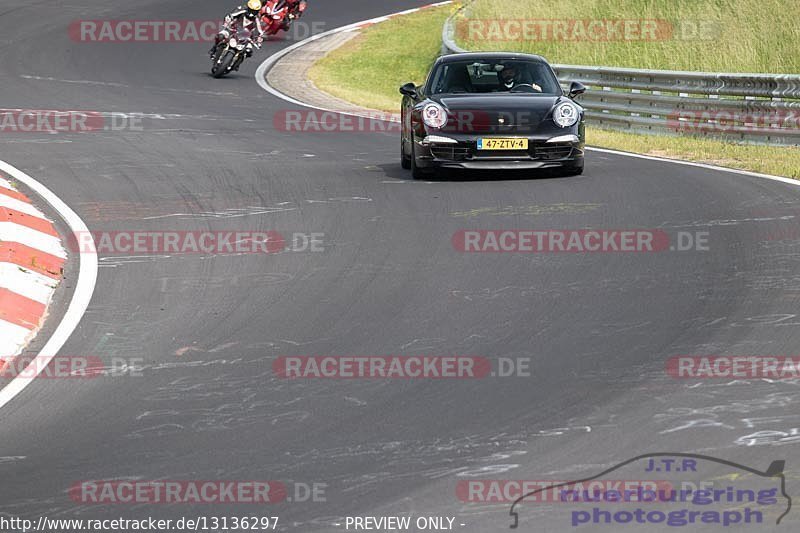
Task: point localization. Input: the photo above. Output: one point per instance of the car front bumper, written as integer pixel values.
(461, 151)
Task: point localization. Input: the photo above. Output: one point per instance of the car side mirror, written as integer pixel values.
(576, 88)
(410, 90)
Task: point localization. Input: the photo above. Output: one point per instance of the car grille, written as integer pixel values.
(451, 152)
(537, 151)
(551, 151)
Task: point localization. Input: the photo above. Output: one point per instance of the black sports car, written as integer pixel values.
(499, 111)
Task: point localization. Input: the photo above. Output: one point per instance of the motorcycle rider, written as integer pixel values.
(296, 9)
(245, 17)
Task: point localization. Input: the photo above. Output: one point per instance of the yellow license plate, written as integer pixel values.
(502, 144)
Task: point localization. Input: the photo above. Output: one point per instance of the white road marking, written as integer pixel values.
(84, 288)
(113, 84)
(698, 165)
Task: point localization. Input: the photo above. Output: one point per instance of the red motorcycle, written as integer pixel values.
(273, 15)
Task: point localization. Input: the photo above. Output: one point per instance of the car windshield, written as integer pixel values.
(512, 75)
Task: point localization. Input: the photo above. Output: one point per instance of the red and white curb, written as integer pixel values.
(31, 266)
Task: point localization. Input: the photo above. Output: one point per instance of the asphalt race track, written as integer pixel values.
(597, 328)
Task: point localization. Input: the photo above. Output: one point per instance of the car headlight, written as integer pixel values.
(434, 116)
(566, 114)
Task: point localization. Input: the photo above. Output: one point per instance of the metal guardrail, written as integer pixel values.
(756, 108)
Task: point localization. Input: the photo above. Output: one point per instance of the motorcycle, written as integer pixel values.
(273, 15)
(231, 55)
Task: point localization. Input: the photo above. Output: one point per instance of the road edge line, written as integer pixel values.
(84, 288)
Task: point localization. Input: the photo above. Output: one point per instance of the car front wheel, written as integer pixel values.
(416, 172)
(573, 171)
(405, 161)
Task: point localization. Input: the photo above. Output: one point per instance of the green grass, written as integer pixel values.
(369, 69)
(747, 36)
(775, 160)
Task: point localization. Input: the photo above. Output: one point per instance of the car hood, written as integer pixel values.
(497, 113)
(497, 102)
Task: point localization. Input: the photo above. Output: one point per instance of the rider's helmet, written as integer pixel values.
(253, 9)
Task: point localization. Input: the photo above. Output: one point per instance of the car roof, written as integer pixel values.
(490, 56)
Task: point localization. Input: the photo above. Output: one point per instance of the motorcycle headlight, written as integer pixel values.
(566, 114)
(234, 43)
(434, 116)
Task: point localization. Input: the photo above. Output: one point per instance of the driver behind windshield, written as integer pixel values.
(510, 78)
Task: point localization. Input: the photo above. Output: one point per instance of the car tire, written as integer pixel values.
(416, 172)
(405, 161)
(573, 171)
